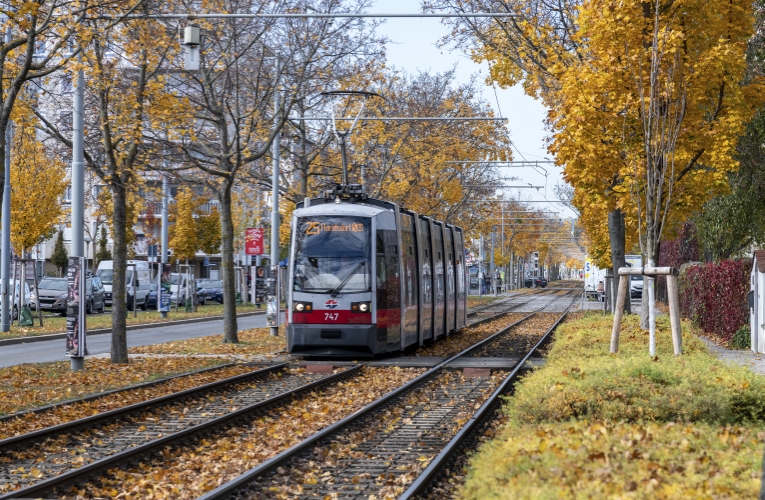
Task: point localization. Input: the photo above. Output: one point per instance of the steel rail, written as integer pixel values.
(507, 311)
(87, 472)
(94, 397)
(25, 440)
(227, 489)
(491, 338)
(434, 468)
(532, 294)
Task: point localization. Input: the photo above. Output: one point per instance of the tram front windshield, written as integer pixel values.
(332, 255)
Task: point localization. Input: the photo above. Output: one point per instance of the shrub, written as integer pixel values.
(589, 424)
(742, 339)
(582, 380)
(713, 296)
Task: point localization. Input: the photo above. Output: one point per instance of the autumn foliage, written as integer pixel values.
(626, 425)
(38, 182)
(714, 295)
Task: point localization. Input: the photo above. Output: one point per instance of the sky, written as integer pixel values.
(413, 48)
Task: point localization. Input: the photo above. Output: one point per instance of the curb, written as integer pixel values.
(101, 331)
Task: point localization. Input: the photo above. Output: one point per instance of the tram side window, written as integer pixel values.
(382, 275)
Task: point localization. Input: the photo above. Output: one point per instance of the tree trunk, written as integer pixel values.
(616, 235)
(227, 266)
(119, 287)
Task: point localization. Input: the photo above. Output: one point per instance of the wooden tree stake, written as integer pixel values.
(619, 312)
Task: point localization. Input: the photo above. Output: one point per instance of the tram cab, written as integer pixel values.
(368, 277)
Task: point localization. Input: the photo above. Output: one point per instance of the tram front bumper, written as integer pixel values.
(332, 340)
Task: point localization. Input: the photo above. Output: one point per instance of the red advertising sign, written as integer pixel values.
(253, 241)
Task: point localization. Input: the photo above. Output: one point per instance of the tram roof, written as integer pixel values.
(361, 209)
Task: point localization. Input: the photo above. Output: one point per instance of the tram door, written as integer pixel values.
(388, 293)
(426, 281)
(410, 277)
(451, 296)
(440, 285)
(459, 252)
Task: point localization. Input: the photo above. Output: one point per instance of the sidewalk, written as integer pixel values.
(744, 358)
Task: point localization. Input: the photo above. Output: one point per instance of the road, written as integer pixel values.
(53, 350)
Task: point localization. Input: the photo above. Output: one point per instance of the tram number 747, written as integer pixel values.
(331, 316)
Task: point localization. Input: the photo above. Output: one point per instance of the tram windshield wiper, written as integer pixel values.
(339, 287)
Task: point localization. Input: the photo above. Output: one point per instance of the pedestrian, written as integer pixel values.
(496, 281)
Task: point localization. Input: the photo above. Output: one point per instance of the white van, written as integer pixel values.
(138, 281)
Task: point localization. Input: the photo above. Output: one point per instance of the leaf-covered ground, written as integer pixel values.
(190, 471)
(253, 341)
(594, 425)
(57, 324)
(468, 336)
(33, 385)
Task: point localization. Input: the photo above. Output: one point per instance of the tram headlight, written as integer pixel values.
(363, 307)
(302, 306)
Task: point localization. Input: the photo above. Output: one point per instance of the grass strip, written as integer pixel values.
(594, 425)
(253, 341)
(98, 321)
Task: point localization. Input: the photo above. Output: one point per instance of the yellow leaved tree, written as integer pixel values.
(652, 115)
(38, 183)
(183, 233)
(127, 103)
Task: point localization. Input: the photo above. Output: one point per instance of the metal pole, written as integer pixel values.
(481, 277)
(5, 266)
(163, 259)
(344, 159)
(275, 212)
(78, 181)
(491, 263)
(5, 255)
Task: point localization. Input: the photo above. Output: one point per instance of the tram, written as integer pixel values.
(368, 277)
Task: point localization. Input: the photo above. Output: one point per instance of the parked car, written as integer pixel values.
(213, 289)
(540, 281)
(51, 295)
(636, 287)
(151, 300)
(27, 300)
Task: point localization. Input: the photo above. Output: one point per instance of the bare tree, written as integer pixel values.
(662, 107)
(245, 63)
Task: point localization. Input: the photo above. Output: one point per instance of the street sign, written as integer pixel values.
(151, 251)
(253, 241)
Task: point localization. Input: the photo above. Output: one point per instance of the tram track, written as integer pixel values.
(143, 446)
(65, 453)
(443, 474)
(382, 449)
